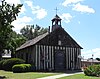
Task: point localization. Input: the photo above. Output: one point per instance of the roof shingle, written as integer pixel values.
(33, 41)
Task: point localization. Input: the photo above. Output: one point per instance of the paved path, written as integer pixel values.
(58, 76)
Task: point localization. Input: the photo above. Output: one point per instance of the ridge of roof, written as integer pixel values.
(32, 42)
(56, 17)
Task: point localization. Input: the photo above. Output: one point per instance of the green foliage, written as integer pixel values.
(1, 64)
(30, 32)
(93, 70)
(98, 59)
(15, 41)
(27, 31)
(9, 63)
(8, 14)
(21, 68)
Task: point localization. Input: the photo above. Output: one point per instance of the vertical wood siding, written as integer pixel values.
(45, 57)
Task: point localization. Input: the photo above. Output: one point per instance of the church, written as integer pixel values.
(53, 51)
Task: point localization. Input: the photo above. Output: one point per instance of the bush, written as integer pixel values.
(93, 70)
(21, 68)
(9, 63)
(1, 64)
(33, 68)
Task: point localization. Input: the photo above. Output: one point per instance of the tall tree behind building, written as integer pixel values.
(27, 31)
(30, 32)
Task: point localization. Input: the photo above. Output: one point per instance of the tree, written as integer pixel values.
(27, 31)
(98, 59)
(14, 42)
(8, 14)
(31, 32)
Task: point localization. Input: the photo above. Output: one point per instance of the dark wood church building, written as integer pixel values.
(55, 50)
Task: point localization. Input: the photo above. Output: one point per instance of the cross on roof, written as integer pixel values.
(56, 10)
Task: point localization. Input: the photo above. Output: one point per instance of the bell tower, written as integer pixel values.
(56, 22)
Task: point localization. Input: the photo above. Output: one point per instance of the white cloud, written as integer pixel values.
(21, 22)
(66, 17)
(88, 54)
(79, 22)
(13, 1)
(40, 12)
(37, 10)
(23, 9)
(29, 3)
(78, 7)
(68, 2)
(96, 50)
(83, 8)
(25, 19)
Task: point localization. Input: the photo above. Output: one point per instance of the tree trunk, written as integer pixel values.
(12, 53)
(1, 51)
(0, 56)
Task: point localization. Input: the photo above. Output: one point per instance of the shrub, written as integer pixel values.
(1, 64)
(21, 68)
(33, 68)
(93, 70)
(9, 63)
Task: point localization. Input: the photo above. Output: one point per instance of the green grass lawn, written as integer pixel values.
(30, 75)
(79, 76)
(34, 75)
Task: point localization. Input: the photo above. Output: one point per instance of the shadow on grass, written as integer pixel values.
(3, 77)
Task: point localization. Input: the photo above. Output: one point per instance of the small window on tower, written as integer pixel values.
(59, 42)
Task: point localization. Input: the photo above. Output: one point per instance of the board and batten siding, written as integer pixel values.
(44, 57)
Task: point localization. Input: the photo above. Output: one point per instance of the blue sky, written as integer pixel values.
(80, 18)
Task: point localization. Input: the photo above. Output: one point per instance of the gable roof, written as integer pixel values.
(33, 41)
(40, 37)
(70, 38)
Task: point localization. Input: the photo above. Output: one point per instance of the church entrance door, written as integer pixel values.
(59, 60)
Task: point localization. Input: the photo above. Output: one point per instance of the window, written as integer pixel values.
(59, 42)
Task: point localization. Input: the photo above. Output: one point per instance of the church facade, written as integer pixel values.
(55, 50)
